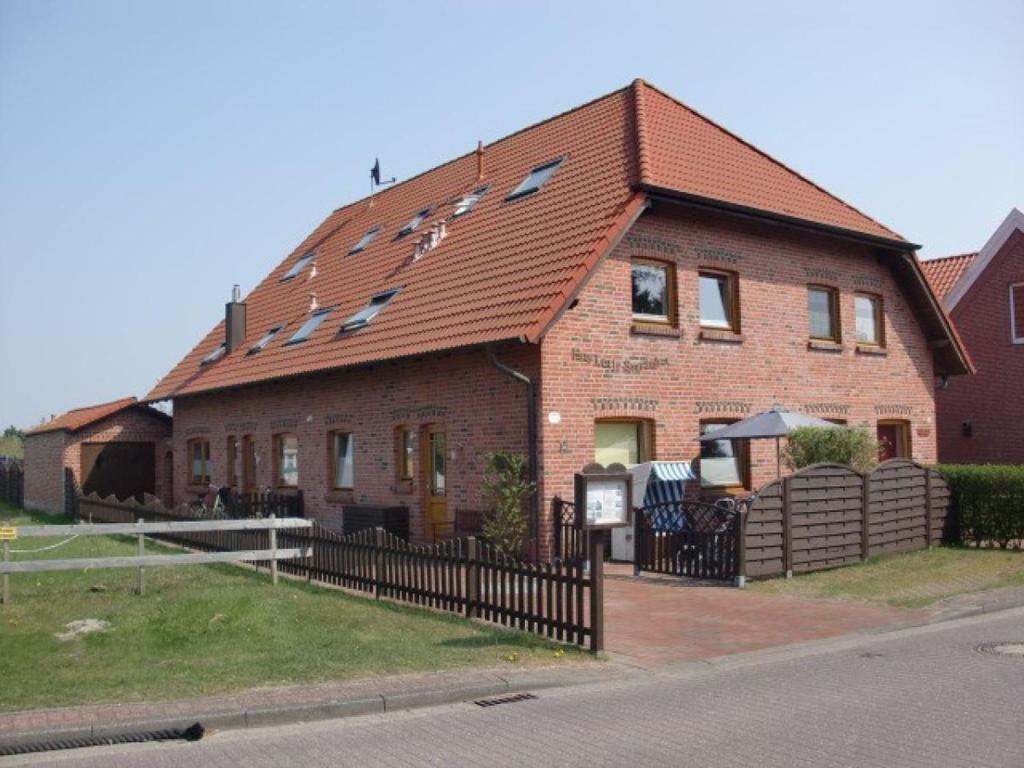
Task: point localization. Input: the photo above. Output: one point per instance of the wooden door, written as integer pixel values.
(893, 440)
(436, 481)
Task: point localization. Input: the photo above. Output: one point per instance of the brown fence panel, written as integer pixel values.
(897, 507)
(826, 503)
(944, 529)
(764, 533)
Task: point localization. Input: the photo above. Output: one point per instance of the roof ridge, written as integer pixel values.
(768, 157)
(643, 159)
(126, 400)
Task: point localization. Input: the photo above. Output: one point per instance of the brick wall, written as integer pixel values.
(992, 399)
(481, 408)
(44, 472)
(593, 366)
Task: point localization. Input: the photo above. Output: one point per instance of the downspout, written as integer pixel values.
(531, 434)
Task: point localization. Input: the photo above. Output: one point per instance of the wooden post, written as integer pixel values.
(6, 580)
(741, 546)
(472, 579)
(273, 551)
(865, 523)
(378, 560)
(927, 508)
(596, 594)
(787, 528)
(142, 553)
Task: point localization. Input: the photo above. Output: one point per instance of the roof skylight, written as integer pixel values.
(214, 356)
(365, 240)
(267, 338)
(535, 180)
(468, 202)
(297, 266)
(414, 222)
(310, 325)
(363, 317)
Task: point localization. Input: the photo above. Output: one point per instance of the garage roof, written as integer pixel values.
(77, 419)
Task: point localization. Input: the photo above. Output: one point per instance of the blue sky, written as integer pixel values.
(153, 154)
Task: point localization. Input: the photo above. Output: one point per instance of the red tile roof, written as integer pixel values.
(82, 417)
(506, 267)
(943, 272)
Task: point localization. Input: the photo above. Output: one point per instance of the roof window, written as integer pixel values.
(366, 240)
(267, 338)
(297, 266)
(468, 202)
(535, 180)
(416, 220)
(363, 317)
(214, 356)
(310, 325)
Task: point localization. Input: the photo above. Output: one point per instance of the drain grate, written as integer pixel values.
(1010, 648)
(504, 700)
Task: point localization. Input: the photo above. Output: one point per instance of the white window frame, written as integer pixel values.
(1014, 338)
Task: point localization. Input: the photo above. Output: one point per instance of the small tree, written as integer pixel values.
(505, 490)
(853, 446)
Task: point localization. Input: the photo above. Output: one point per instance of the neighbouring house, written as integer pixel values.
(607, 284)
(981, 417)
(119, 448)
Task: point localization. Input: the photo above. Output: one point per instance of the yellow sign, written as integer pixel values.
(8, 534)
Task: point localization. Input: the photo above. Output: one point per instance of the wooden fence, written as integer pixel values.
(830, 515)
(687, 538)
(559, 600)
(12, 483)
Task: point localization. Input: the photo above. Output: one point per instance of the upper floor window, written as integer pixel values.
(535, 179)
(286, 460)
(297, 266)
(719, 301)
(266, 339)
(370, 311)
(653, 291)
(365, 240)
(823, 313)
(1017, 313)
(468, 202)
(416, 220)
(870, 324)
(216, 355)
(199, 469)
(310, 325)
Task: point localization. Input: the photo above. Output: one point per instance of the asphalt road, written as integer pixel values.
(919, 697)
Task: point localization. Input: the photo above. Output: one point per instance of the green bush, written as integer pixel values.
(989, 500)
(506, 490)
(853, 446)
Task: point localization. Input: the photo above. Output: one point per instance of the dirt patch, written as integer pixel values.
(81, 627)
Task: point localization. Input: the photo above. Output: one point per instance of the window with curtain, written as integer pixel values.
(286, 464)
(342, 460)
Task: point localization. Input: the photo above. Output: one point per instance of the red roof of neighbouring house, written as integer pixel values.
(79, 418)
(943, 272)
(507, 267)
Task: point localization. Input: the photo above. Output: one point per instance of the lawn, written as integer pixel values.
(205, 630)
(908, 580)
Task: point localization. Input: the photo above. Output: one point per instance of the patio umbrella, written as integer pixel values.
(776, 422)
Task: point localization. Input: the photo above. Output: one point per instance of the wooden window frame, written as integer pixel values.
(332, 460)
(906, 434)
(206, 478)
(671, 318)
(1014, 309)
(278, 446)
(645, 444)
(233, 455)
(743, 455)
(405, 461)
(733, 280)
(836, 315)
(879, 305)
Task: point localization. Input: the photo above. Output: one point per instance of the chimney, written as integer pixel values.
(234, 321)
(479, 160)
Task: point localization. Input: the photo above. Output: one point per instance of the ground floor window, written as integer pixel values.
(248, 463)
(342, 460)
(199, 461)
(286, 460)
(893, 440)
(404, 451)
(723, 463)
(233, 459)
(624, 442)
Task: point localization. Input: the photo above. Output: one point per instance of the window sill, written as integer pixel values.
(720, 334)
(340, 496)
(872, 350)
(640, 328)
(824, 346)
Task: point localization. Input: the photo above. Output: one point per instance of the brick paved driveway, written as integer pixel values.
(654, 620)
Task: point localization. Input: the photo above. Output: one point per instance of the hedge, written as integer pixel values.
(989, 500)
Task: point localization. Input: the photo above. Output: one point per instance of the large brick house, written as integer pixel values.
(118, 448)
(607, 284)
(981, 417)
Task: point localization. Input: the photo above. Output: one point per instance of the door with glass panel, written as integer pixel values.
(436, 481)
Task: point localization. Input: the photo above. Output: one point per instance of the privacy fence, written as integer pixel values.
(559, 599)
(12, 483)
(830, 515)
